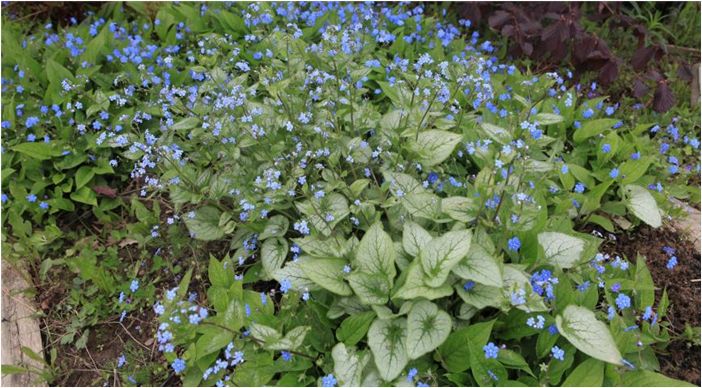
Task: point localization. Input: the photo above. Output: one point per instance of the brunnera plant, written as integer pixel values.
(415, 201)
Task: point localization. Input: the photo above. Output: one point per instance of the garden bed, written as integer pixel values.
(338, 194)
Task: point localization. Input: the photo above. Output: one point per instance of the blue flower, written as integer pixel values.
(579, 188)
(43, 205)
(433, 177)
(178, 365)
(606, 148)
(623, 301)
(411, 374)
(588, 113)
(469, 285)
(672, 262)
(614, 173)
(286, 356)
(557, 353)
(31, 121)
(491, 351)
(329, 380)
(552, 330)
(134, 286)
(121, 361)
(536, 323)
(31, 198)
(285, 286)
(514, 244)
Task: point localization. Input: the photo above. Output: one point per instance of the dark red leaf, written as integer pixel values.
(498, 19)
(106, 191)
(685, 72)
(663, 98)
(641, 57)
(507, 30)
(609, 72)
(640, 89)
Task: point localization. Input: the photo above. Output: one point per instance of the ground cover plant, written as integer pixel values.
(331, 194)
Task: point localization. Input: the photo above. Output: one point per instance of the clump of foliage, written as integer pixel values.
(629, 41)
(415, 202)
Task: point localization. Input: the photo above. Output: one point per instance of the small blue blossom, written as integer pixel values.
(491, 351)
(558, 353)
(579, 188)
(672, 262)
(411, 374)
(285, 286)
(178, 365)
(329, 381)
(134, 286)
(514, 244)
(623, 301)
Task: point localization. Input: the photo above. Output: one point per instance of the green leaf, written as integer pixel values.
(481, 296)
(370, 288)
(56, 73)
(642, 204)
(548, 118)
(318, 247)
(514, 360)
(334, 204)
(423, 205)
(386, 339)
(38, 150)
(328, 273)
(375, 253)
(348, 365)
(643, 283)
(276, 226)
(205, 224)
(593, 127)
(403, 182)
(590, 373)
(647, 378)
(441, 254)
(219, 277)
(213, 340)
(355, 327)
(459, 208)
(292, 271)
(83, 176)
(293, 340)
(496, 133)
(481, 265)
(8, 369)
(435, 146)
(414, 237)
(266, 334)
(561, 249)
(187, 123)
(455, 353)
(591, 336)
(415, 285)
(632, 170)
(273, 254)
(427, 328)
(84, 195)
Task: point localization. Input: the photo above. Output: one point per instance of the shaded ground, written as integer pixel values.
(682, 360)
